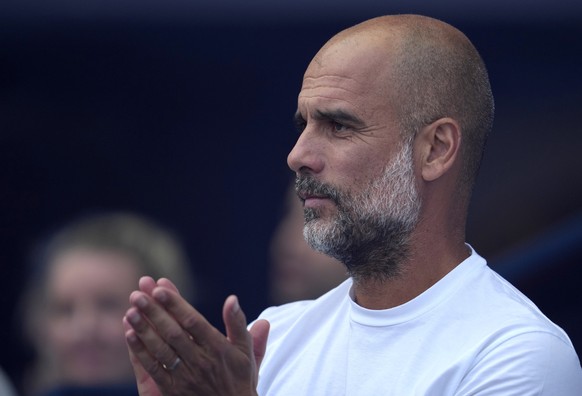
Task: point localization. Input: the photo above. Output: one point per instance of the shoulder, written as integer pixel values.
(534, 362)
(286, 312)
(515, 312)
(519, 349)
(286, 315)
(491, 305)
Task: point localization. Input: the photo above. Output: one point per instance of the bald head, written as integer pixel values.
(426, 70)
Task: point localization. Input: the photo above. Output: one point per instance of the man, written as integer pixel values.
(393, 114)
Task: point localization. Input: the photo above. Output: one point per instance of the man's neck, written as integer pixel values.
(418, 274)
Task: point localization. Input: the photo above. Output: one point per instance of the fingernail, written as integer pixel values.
(141, 302)
(161, 296)
(133, 317)
(236, 306)
(131, 337)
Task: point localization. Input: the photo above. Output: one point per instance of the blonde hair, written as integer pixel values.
(156, 251)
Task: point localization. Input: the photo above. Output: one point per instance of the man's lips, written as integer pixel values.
(312, 200)
(307, 195)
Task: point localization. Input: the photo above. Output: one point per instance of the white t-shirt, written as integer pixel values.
(472, 333)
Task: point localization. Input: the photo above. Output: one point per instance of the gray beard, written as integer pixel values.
(370, 232)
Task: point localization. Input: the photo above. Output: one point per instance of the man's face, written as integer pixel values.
(381, 215)
(355, 174)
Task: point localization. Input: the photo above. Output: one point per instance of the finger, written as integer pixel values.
(145, 367)
(149, 321)
(260, 334)
(165, 282)
(236, 324)
(172, 333)
(195, 325)
(147, 284)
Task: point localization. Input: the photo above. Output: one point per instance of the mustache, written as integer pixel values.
(305, 185)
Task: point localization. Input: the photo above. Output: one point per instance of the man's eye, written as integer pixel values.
(339, 127)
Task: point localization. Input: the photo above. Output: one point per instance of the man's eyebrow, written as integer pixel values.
(341, 116)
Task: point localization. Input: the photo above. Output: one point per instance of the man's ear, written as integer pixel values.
(439, 145)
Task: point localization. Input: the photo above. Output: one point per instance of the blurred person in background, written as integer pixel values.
(78, 293)
(6, 388)
(297, 271)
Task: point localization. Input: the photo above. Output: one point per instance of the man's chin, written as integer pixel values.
(318, 241)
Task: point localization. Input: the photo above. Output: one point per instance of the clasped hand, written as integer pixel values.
(175, 351)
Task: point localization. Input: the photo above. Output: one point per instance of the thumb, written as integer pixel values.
(235, 322)
(253, 341)
(260, 333)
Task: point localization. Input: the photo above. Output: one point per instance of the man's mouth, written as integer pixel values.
(305, 195)
(313, 193)
(311, 200)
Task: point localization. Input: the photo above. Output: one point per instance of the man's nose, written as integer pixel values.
(307, 154)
